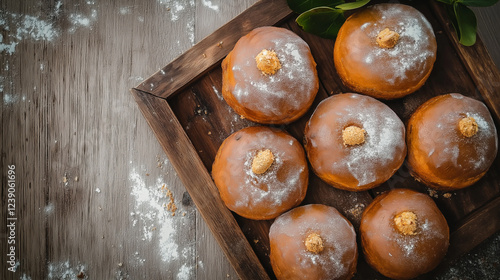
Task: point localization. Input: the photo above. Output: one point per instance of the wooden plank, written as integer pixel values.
(209, 16)
(201, 188)
(475, 229)
(210, 51)
(477, 60)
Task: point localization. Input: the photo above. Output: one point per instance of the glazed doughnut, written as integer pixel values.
(452, 142)
(270, 76)
(261, 172)
(354, 142)
(313, 242)
(386, 51)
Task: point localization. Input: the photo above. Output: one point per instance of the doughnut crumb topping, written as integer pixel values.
(262, 161)
(353, 135)
(468, 127)
(387, 38)
(314, 243)
(406, 223)
(268, 62)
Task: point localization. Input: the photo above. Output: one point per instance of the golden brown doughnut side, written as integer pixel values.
(393, 253)
(277, 98)
(385, 73)
(438, 154)
(290, 256)
(260, 196)
(354, 167)
(228, 83)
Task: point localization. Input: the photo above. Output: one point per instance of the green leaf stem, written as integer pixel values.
(467, 24)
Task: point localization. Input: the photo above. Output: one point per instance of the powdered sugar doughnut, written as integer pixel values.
(354, 142)
(261, 172)
(313, 242)
(270, 76)
(386, 51)
(452, 141)
(403, 234)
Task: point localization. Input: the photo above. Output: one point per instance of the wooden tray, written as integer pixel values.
(183, 105)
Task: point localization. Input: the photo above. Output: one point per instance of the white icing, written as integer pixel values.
(447, 127)
(288, 89)
(338, 237)
(384, 138)
(413, 252)
(279, 185)
(411, 51)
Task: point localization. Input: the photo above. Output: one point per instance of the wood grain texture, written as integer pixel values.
(212, 49)
(200, 185)
(485, 74)
(66, 112)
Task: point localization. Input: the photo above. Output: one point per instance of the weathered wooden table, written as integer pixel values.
(95, 195)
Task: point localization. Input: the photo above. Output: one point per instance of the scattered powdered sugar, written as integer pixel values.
(48, 209)
(278, 191)
(40, 27)
(384, 137)
(218, 93)
(446, 125)
(150, 213)
(365, 25)
(20, 27)
(339, 239)
(409, 244)
(168, 247)
(154, 213)
(190, 30)
(410, 53)
(125, 10)
(281, 185)
(177, 8)
(185, 272)
(9, 99)
(289, 89)
(64, 270)
(210, 5)
(79, 20)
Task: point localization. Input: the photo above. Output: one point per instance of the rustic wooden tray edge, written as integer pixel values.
(202, 57)
(486, 75)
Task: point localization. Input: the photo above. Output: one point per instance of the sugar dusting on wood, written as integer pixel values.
(65, 270)
(42, 26)
(153, 212)
(177, 8)
(210, 5)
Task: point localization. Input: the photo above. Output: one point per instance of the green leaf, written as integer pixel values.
(478, 3)
(300, 6)
(322, 21)
(453, 18)
(352, 5)
(466, 23)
